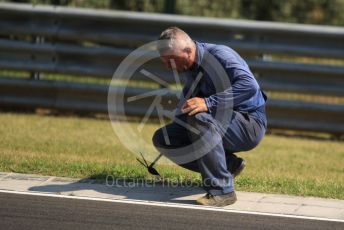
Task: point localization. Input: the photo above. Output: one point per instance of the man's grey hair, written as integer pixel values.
(173, 40)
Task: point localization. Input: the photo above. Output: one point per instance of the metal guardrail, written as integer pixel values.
(102, 62)
(93, 98)
(94, 42)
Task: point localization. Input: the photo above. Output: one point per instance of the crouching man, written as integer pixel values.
(214, 140)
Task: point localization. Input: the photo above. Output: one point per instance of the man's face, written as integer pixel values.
(181, 60)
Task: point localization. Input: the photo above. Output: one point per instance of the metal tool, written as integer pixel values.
(150, 168)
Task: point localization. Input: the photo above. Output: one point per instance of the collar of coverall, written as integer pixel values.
(198, 58)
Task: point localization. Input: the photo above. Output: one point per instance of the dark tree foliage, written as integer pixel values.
(328, 12)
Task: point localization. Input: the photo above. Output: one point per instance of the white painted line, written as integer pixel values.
(171, 205)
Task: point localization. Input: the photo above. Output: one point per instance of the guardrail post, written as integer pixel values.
(36, 40)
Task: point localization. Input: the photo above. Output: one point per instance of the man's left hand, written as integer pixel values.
(194, 105)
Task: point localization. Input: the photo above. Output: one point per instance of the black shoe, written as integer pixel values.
(238, 167)
(235, 164)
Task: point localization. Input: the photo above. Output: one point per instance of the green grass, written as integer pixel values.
(85, 147)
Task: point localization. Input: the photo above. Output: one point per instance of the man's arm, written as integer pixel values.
(241, 91)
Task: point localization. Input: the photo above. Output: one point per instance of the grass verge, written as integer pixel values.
(85, 147)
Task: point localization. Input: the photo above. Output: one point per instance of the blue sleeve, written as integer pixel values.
(241, 93)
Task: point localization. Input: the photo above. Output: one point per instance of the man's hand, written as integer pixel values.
(194, 105)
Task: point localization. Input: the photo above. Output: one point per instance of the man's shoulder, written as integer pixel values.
(217, 48)
(222, 52)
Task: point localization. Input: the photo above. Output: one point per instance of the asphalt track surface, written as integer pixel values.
(18, 211)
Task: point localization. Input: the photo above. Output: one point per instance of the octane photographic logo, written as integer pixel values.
(124, 100)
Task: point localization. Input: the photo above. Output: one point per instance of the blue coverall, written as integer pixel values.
(247, 123)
